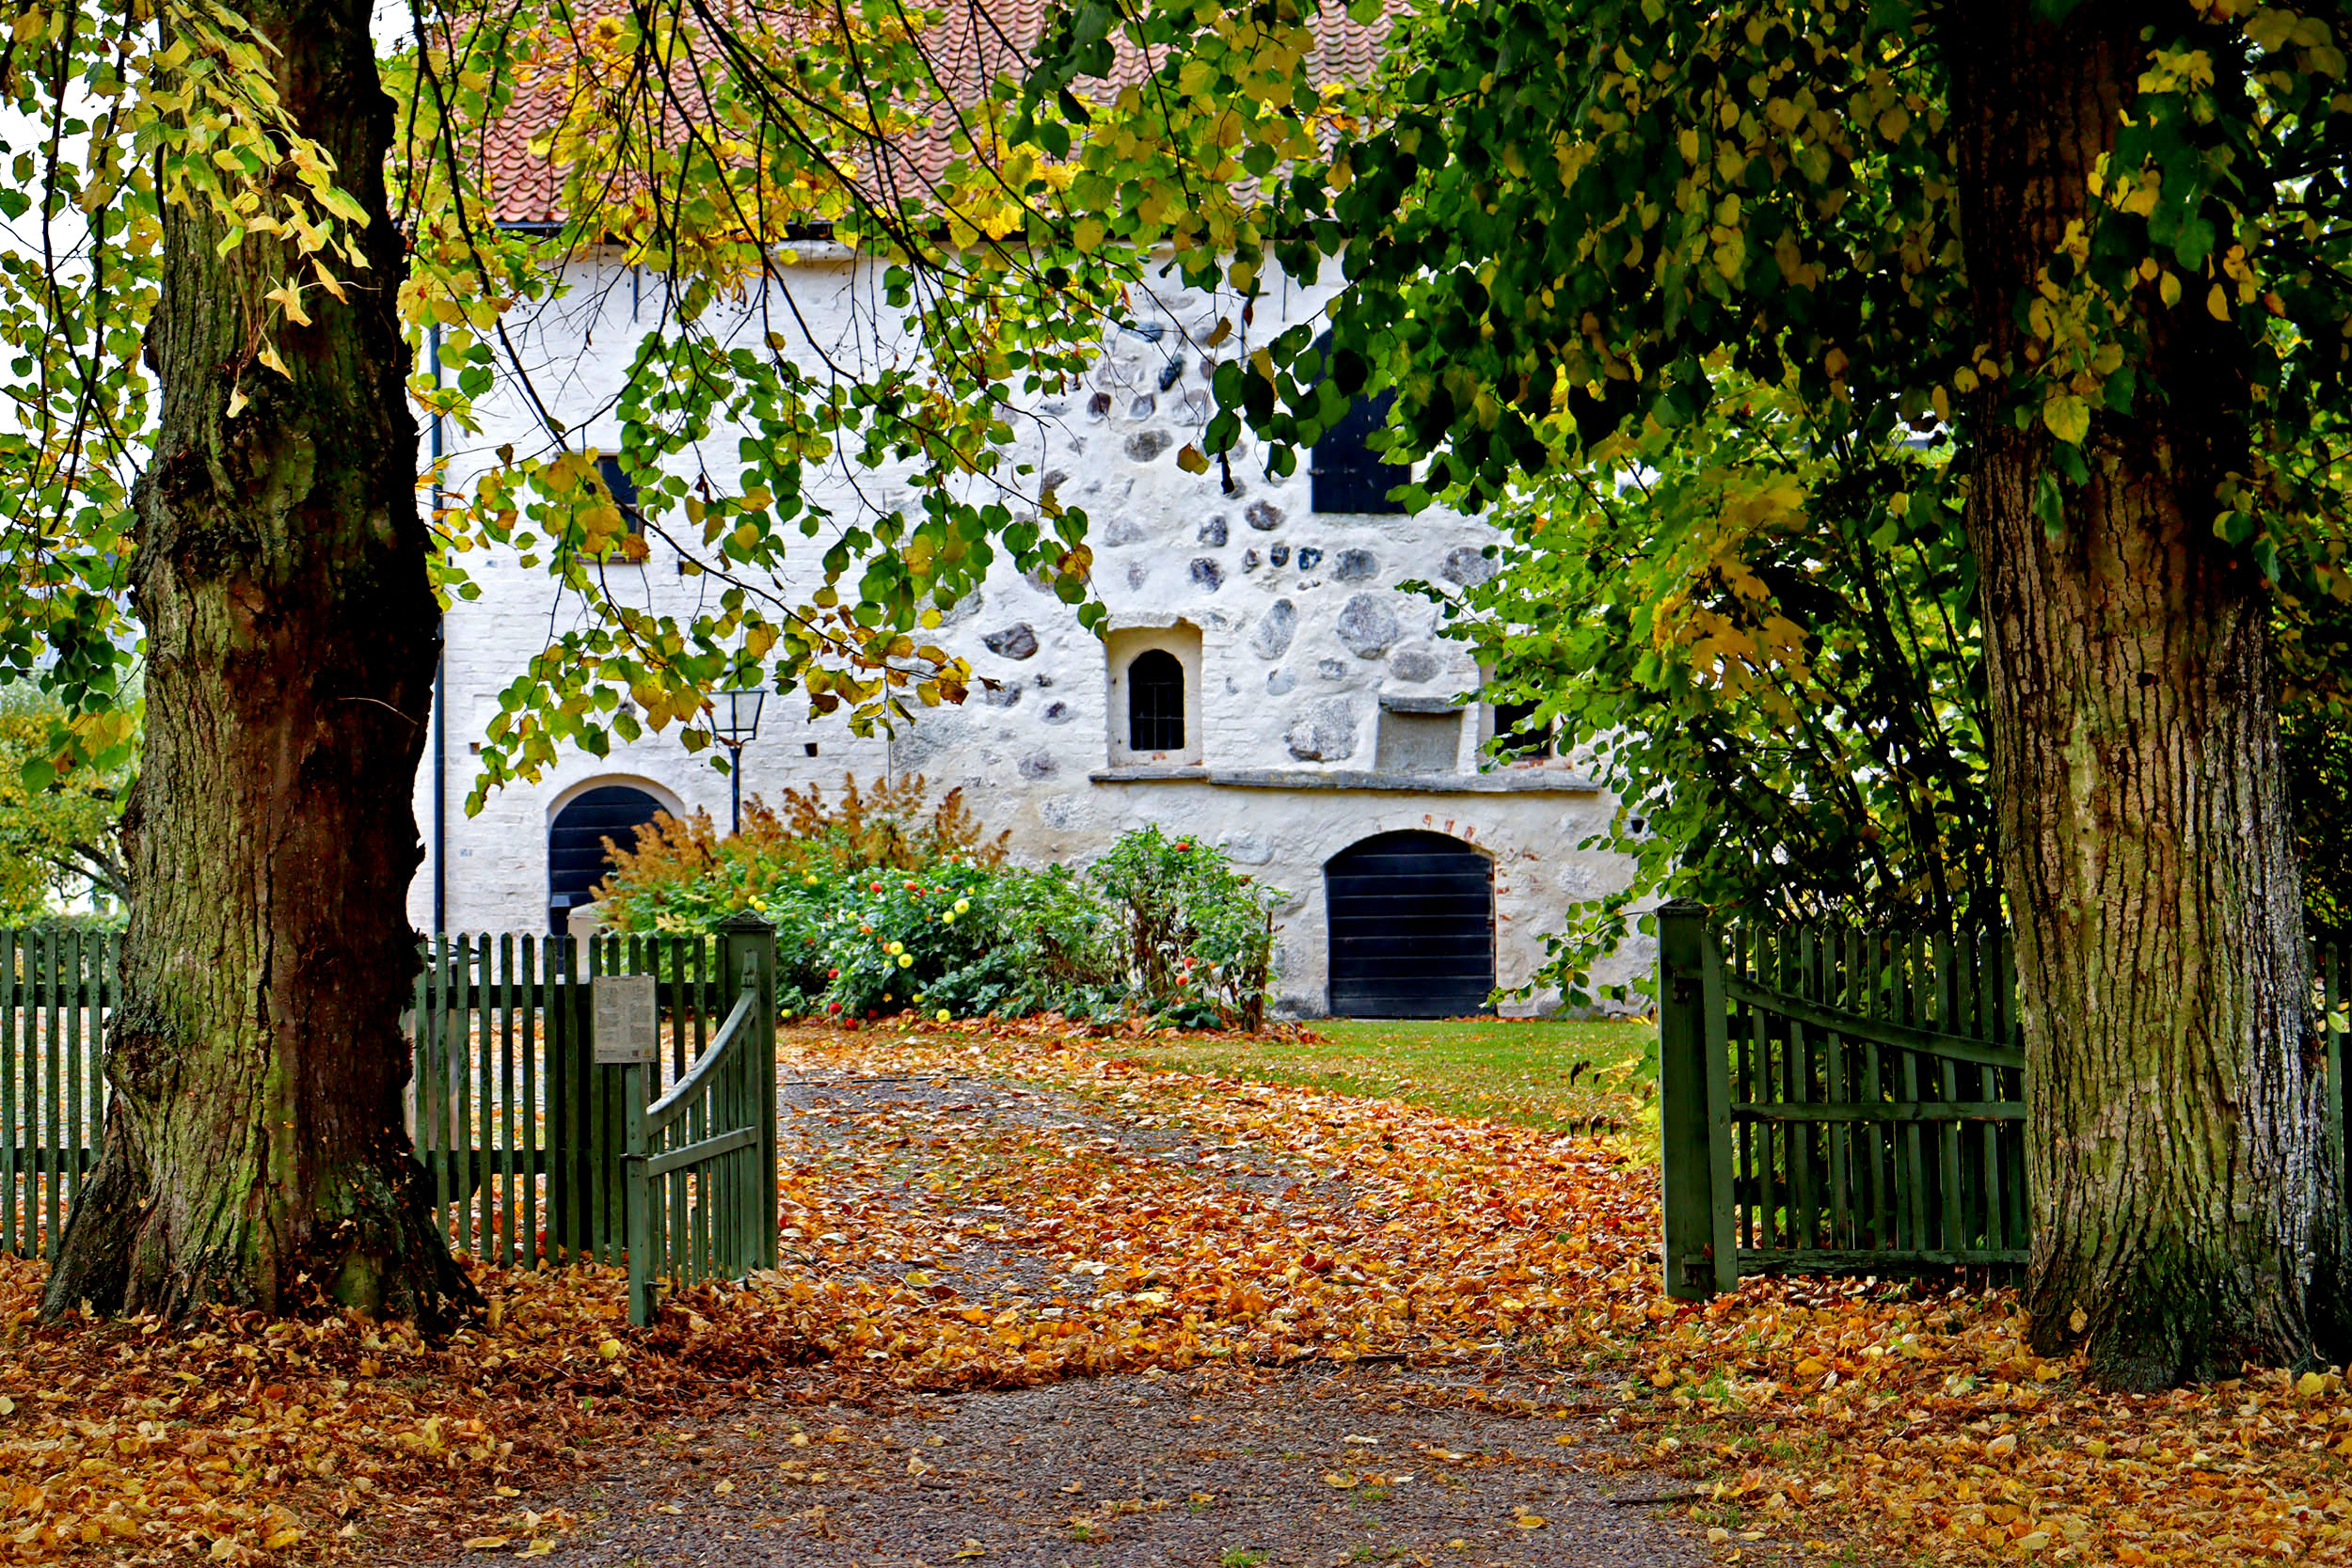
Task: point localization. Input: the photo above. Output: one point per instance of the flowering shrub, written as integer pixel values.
(969, 937)
(880, 907)
(1196, 938)
(683, 875)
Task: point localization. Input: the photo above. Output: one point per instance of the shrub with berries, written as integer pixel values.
(880, 908)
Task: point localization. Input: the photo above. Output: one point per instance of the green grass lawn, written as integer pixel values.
(1560, 1076)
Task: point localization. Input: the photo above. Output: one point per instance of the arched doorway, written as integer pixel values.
(577, 861)
(1412, 925)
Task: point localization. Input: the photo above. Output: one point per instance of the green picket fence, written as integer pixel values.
(1834, 1100)
(55, 990)
(522, 1132)
(520, 1127)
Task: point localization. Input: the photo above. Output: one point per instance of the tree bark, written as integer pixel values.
(255, 1152)
(2187, 1190)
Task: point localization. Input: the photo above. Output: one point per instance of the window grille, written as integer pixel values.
(1156, 702)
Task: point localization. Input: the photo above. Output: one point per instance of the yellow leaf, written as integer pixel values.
(485, 1542)
(971, 1548)
(269, 357)
(540, 1547)
(724, 1488)
(2311, 1384)
(1192, 460)
(1530, 1521)
(1340, 1479)
(277, 1539)
(2217, 304)
(2068, 417)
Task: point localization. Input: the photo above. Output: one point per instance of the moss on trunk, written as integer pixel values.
(255, 1152)
(2186, 1202)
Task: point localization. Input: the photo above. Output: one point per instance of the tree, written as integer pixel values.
(1765, 640)
(2100, 243)
(221, 338)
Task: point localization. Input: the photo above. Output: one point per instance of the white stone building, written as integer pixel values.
(1263, 683)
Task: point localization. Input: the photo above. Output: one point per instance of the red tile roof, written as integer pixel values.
(976, 40)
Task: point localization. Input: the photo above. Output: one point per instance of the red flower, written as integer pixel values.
(834, 1006)
(878, 887)
(833, 974)
(1183, 844)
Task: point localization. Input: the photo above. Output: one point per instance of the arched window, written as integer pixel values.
(1346, 475)
(1156, 702)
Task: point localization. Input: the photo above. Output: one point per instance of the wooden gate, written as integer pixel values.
(520, 1127)
(700, 1165)
(1835, 1099)
(57, 988)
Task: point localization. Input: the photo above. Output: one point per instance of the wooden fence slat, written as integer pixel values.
(12, 1129)
(53, 967)
(1948, 1134)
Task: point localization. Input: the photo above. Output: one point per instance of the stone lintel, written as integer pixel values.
(1147, 775)
(1396, 704)
(1533, 782)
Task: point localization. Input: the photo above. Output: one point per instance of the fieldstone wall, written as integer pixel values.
(1304, 639)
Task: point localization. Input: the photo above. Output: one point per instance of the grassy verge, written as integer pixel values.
(1555, 1076)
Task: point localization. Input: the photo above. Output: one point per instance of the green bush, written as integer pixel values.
(880, 905)
(1196, 937)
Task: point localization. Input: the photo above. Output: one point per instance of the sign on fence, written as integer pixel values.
(627, 1029)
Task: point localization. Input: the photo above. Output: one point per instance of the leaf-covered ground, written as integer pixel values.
(972, 1211)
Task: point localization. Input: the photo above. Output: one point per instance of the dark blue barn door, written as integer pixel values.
(577, 860)
(1412, 922)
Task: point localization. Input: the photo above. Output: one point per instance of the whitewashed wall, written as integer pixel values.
(1301, 635)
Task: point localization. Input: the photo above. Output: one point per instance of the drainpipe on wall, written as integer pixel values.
(441, 692)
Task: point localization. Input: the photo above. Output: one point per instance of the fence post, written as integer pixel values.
(1694, 1110)
(747, 947)
(642, 1305)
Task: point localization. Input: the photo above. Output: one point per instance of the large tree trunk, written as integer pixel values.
(255, 1152)
(2183, 1183)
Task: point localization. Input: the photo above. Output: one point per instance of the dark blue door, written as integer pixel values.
(577, 858)
(1412, 920)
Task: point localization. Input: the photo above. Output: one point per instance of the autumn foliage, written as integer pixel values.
(1298, 1227)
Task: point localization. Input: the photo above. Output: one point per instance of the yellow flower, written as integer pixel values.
(894, 948)
(948, 919)
(963, 905)
(906, 960)
(943, 1015)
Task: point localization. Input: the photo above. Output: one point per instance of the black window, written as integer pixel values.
(1156, 702)
(1518, 733)
(624, 492)
(1346, 476)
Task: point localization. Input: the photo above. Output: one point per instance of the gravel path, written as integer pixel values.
(1309, 1465)
(1359, 1467)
